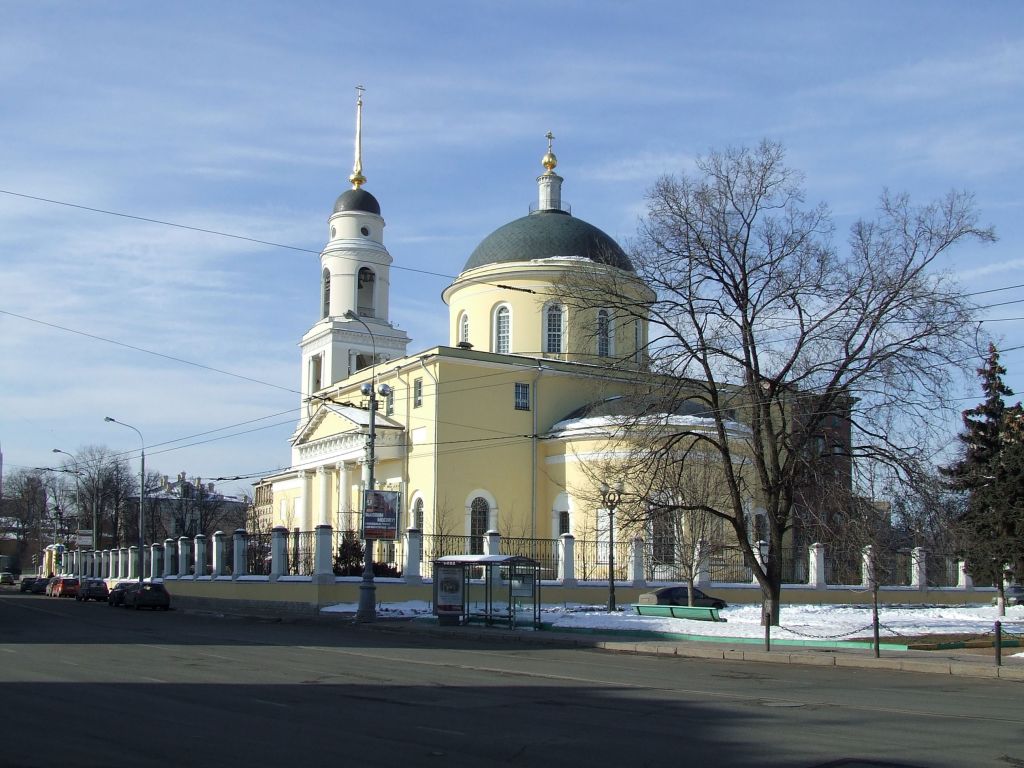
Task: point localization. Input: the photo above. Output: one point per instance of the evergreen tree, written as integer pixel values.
(991, 530)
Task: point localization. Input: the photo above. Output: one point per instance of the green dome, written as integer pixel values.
(546, 234)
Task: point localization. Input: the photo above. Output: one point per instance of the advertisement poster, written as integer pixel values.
(449, 589)
(380, 514)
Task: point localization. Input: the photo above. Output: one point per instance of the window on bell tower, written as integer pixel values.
(326, 294)
(365, 296)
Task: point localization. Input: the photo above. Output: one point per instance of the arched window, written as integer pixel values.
(563, 522)
(464, 328)
(553, 329)
(417, 514)
(604, 333)
(503, 330)
(479, 514)
(365, 297)
(326, 292)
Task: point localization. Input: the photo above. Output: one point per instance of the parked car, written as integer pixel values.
(7, 578)
(66, 587)
(27, 582)
(1014, 595)
(51, 585)
(93, 589)
(149, 595)
(116, 595)
(678, 596)
(40, 585)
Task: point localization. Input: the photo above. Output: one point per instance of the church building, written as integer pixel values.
(478, 434)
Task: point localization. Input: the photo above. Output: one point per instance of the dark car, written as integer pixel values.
(39, 585)
(27, 582)
(116, 595)
(1014, 595)
(148, 595)
(678, 596)
(93, 589)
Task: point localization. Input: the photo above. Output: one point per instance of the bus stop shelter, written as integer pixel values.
(508, 583)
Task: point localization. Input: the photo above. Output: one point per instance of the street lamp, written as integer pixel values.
(142, 488)
(78, 504)
(610, 498)
(367, 610)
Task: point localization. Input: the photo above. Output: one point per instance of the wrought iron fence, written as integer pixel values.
(942, 570)
(843, 568)
(795, 565)
(299, 551)
(544, 551)
(228, 562)
(728, 565)
(893, 567)
(440, 545)
(258, 554)
(592, 560)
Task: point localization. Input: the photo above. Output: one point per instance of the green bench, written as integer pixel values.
(679, 612)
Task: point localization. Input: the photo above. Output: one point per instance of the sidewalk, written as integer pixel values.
(962, 663)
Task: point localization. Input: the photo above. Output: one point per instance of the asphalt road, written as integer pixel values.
(85, 685)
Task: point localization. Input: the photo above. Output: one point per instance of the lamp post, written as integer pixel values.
(78, 504)
(367, 609)
(142, 489)
(610, 498)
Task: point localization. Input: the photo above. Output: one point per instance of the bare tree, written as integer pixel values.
(784, 343)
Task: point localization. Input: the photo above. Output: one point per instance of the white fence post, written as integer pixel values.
(156, 552)
(636, 561)
(867, 566)
(168, 548)
(183, 556)
(278, 557)
(323, 562)
(919, 568)
(964, 580)
(566, 560)
(238, 567)
(411, 568)
(200, 565)
(218, 554)
(816, 563)
(702, 556)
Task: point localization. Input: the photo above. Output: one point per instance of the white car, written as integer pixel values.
(6, 578)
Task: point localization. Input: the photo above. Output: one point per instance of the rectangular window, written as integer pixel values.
(522, 397)
(417, 393)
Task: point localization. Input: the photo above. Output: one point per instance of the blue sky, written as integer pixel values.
(238, 117)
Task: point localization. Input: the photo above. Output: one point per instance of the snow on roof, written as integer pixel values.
(591, 424)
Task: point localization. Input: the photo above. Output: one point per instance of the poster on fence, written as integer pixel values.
(380, 514)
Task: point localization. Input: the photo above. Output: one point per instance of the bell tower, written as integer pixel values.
(353, 330)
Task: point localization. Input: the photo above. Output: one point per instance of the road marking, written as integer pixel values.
(440, 730)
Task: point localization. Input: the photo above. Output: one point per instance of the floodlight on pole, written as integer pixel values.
(142, 489)
(78, 503)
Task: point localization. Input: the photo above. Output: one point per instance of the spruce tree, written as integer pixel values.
(991, 471)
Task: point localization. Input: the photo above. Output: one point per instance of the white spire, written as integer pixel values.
(357, 177)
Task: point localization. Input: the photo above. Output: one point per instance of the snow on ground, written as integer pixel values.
(819, 622)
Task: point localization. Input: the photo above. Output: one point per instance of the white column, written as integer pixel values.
(306, 515)
(341, 471)
(323, 474)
